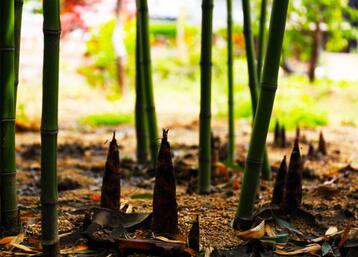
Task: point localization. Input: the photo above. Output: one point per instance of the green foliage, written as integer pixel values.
(101, 69)
(107, 119)
(164, 29)
(304, 15)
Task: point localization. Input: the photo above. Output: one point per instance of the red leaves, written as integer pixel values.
(165, 215)
(111, 186)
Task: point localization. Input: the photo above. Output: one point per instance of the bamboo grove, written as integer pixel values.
(263, 74)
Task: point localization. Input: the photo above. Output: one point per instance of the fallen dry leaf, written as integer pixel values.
(24, 248)
(167, 240)
(96, 197)
(269, 231)
(331, 231)
(256, 232)
(311, 249)
(6, 240)
(75, 249)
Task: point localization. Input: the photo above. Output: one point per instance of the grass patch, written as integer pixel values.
(107, 119)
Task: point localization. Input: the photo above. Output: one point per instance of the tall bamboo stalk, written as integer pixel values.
(253, 79)
(18, 20)
(205, 97)
(230, 62)
(140, 114)
(49, 127)
(147, 77)
(9, 210)
(261, 38)
(263, 114)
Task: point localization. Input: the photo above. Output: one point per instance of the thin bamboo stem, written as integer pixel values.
(253, 79)
(230, 62)
(49, 128)
(9, 209)
(263, 114)
(18, 21)
(261, 38)
(205, 98)
(147, 77)
(140, 106)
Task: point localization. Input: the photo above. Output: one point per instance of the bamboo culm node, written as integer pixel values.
(204, 178)
(49, 128)
(145, 60)
(253, 76)
(141, 119)
(8, 194)
(263, 113)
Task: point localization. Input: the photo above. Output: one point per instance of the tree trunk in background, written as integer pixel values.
(120, 50)
(316, 44)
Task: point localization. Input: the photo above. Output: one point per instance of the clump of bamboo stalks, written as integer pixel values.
(253, 77)
(268, 88)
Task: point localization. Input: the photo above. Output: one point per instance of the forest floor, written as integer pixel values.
(330, 192)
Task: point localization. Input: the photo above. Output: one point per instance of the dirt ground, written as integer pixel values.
(330, 186)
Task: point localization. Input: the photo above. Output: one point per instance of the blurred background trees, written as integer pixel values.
(321, 35)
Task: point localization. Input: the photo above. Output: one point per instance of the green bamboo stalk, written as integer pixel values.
(261, 38)
(18, 20)
(140, 114)
(147, 77)
(205, 98)
(253, 79)
(230, 62)
(263, 115)
(9, 209)
(49, 127)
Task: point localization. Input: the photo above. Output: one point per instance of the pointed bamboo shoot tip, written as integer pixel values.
(296, 146)
(165, 134)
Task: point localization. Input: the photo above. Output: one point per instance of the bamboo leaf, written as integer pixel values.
(284, 224)
(233, 166)
(327, 249)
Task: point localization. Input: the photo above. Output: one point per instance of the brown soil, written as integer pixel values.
(330, 186)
